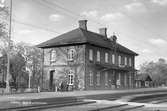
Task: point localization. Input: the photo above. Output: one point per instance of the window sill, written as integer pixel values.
(70, 60)
(70, 84)
(52, 61)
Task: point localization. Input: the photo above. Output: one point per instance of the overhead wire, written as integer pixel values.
(78, 15)
(35, 26)
(55, 5)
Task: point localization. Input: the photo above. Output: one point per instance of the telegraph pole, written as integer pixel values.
(8, 50)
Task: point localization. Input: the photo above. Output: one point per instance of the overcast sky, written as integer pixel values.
(140, 25)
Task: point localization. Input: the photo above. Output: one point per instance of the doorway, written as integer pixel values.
(51, 82)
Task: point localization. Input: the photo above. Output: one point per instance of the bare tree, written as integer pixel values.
(32, 56)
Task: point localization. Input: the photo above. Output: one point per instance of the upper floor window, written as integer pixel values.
(90, 54)
(91, 78)
(98, 56)
(106, 78)
(98, 78)
(71, 54)
(106, 57)
(125, 61)
(119, 60)
(122, 60)
(71, 77)
(130, 62)
(53, 55)
(113, 59)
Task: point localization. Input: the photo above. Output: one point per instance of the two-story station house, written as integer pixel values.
(87, 61)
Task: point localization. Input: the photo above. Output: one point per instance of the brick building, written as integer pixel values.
(87, 61)
(143, 80)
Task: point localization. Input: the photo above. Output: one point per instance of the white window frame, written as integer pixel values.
(98, 78)
(91, 78)
(91, 54)
(71, 77)
(53, 55)
(106, 78)
(106, 57)
(113, 58)
(71, 54)
(98, 56)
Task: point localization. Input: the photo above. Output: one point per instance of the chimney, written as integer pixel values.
(113, 38)
(103, 31)
(83, 24)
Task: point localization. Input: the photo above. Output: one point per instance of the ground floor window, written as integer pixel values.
(106, 78)
(130, 80)
(113, 78)
(125, 79)
(118, 82)
(98, 78)
(146, 83)
(71, 77)
(91, 78)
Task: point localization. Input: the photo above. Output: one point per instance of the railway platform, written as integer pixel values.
(27, 100)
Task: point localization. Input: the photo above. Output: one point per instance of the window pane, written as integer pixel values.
(71, 54)
(98, 78)
(53, 55)
(71, 77)
(106, 78)
(118, 80)
(130, 62)
(125, 60)
(125, 79)
(113, 59)
(119, 60)
(91, 54)
(98, 56)
(91, 78)
(106, 57)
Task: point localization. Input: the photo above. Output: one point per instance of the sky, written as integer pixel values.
(140, 25)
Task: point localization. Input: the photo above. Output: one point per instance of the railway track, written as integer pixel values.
(122, 107)
(45, 106)
(71, 102)
(151, 98)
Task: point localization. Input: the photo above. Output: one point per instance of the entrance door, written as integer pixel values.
(51, 84)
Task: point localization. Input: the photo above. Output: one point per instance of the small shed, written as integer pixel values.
(143, 80)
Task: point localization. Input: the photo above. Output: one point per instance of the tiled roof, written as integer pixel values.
(81, 36)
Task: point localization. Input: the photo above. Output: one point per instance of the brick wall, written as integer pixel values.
(62, 65)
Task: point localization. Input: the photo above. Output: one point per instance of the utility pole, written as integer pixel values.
(8, 50)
